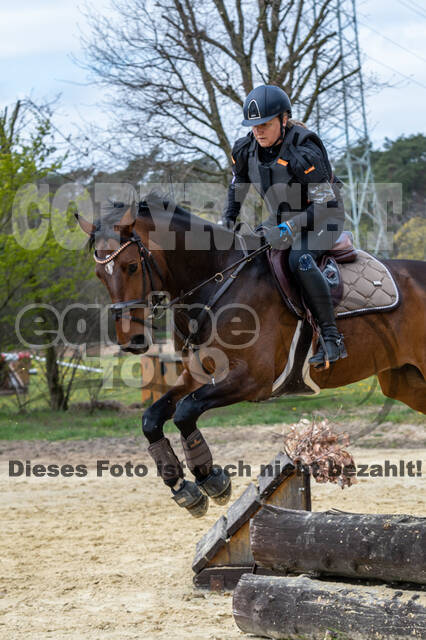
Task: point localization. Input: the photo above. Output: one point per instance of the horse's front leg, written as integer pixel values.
(237, 385)
(187, 494)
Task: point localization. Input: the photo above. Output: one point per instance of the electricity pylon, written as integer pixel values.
(345, 128)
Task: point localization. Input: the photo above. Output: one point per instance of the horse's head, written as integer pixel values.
(128, 270)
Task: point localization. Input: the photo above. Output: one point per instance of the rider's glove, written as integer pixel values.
(287, 231)
(281, 236)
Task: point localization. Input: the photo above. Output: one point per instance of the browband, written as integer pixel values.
(111, 256)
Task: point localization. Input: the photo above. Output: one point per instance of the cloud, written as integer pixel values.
(38, 30)
(38, 36)
(392, 45)
(43, 26)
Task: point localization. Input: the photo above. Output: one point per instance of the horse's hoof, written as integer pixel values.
(190, 497)
(217, 486)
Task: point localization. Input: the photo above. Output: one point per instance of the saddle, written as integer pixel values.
(359, 282)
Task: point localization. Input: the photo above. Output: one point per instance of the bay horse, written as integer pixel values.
(243, 331)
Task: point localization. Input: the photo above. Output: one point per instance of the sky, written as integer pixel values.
(39, 38)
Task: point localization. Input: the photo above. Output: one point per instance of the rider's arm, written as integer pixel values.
(240, 183)
(237, 192)
(311, 167)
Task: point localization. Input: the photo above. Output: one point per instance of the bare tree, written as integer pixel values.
(180, 69)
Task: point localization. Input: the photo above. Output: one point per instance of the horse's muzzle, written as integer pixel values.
(137, 344)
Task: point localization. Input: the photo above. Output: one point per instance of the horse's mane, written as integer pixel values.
(112, 211)
(162, 202)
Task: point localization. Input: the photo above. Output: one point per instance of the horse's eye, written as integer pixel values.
(133, 268)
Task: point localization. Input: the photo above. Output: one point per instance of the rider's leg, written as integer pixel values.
(317, 292)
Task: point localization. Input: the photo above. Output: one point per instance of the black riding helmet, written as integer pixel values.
(264, 103)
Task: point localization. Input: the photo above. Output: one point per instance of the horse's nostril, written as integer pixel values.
(139, 339)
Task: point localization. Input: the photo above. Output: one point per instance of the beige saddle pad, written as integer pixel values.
(368, 286)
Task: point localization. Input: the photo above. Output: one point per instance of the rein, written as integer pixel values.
(218, 277)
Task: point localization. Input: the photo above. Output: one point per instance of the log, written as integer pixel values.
(381, 547)
(300, 608)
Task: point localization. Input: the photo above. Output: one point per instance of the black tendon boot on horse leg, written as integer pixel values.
(213, 481)
(315, 287)
(185, 493)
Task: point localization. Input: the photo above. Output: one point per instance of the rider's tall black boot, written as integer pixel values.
(318, 297)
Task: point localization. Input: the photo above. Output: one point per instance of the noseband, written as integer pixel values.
(148, 266)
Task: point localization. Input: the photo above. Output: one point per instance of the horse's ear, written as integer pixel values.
(127, 222)
(87, 227)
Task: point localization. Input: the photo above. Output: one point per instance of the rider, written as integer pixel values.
(289, 167)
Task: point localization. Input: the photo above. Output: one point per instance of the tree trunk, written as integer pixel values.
(300, 608)
(383, 547)
(58, 400)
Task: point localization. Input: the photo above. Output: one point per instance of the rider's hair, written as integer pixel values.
(291, 122)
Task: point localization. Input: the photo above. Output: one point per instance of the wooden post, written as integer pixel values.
(295, 608)
(383, 547)
(159, 373)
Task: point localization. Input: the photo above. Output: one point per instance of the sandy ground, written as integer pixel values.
(110, 558)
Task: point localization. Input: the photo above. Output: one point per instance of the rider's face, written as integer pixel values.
(266, 134)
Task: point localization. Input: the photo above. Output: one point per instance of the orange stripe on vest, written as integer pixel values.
(310, 169)
(281, 161)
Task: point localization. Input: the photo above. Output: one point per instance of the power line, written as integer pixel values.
(393, 41)
(396, 71)
(415, 6)
(415, 10)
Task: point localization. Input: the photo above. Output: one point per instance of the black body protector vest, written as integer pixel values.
(282, 191)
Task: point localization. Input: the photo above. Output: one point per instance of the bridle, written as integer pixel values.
(148, 267)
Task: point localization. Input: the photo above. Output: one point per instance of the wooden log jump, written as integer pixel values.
(270, 532)
(301, 608)
(350, 546)
(224, 552)
(391, 548)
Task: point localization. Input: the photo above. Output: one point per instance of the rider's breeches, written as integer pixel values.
(315, 242)
(296, 259)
